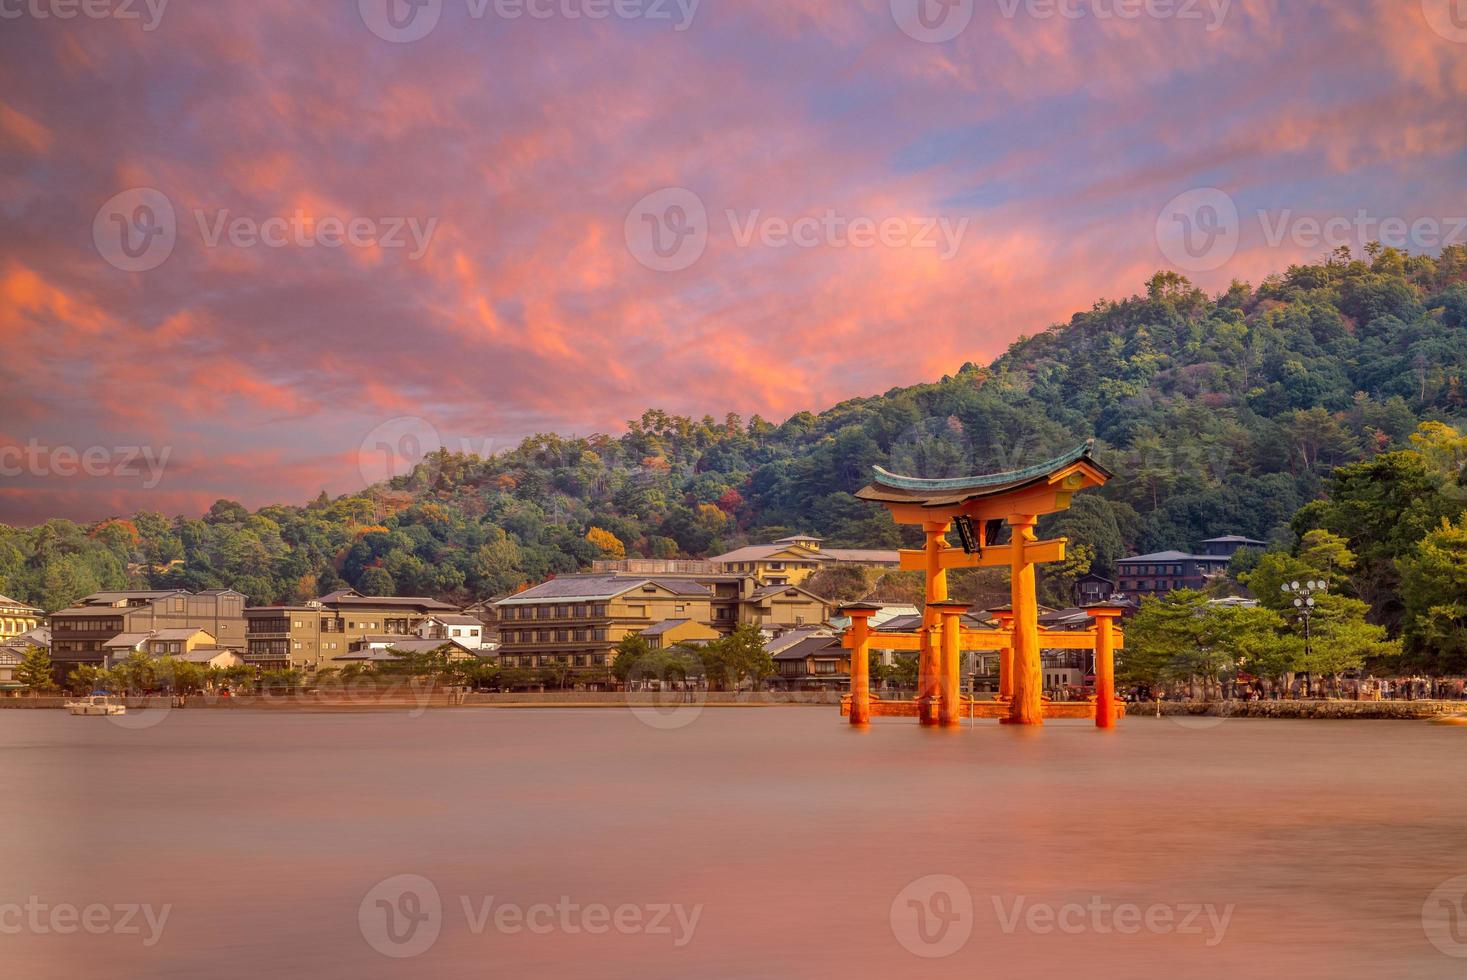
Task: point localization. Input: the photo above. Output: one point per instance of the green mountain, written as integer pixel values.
(1218, 414)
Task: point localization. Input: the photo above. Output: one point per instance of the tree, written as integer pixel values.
(1341, 640)
(1434, 587)
(1165, 632)
(1327, 553)
(610, 545)
(84, 678)
(733, 659)
(35, 670)
(630, 650)
(1275, 570)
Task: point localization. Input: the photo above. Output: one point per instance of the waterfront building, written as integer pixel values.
(818, 662)
(85, 632)
(386, 649)
(465, 630)
(678, 632)
(311, 635)
(17, 617)
(10, 661)
(575, 621)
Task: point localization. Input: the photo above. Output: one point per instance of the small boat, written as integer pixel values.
(1458, 720)
(97, 704)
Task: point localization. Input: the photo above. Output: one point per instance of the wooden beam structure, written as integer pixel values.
(1018, 499)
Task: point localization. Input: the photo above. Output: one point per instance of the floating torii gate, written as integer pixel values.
(979, 506)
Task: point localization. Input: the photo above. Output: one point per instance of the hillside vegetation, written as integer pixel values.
(1218, 414)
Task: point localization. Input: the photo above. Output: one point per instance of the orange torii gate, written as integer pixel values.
(979, 506)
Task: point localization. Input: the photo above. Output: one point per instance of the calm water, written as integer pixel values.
(792, 846)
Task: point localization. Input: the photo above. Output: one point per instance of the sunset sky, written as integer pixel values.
(504, 175)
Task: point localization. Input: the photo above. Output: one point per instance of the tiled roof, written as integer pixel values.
(576, 588)
(126, 640)
(1162, 556)
(389, 600)
(657, 629)
(786, 640)
(759, 552)
(888, 487)
(5, 600)
(455, 620)
(862, 555)
(815, 645)
(181, 633)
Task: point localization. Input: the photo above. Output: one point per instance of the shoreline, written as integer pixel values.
(1449, 712)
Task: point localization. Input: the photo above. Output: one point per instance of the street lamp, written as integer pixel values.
(1304, 606)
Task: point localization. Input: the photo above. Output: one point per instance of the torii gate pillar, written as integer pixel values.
(1027, 707)
(929, 658)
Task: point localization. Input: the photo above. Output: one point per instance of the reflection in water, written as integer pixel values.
(771, 842)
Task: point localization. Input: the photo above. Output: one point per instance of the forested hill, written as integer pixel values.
(1218, 414)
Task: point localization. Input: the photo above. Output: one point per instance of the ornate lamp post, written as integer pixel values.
(1304, 606)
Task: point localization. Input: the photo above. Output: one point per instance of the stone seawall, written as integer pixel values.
(1336, 710)
(409, 697)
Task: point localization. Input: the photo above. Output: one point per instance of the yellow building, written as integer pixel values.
(791, 560)
(673, 632)
(17, 618)
(576, 621)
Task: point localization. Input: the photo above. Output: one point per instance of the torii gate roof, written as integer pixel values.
(892, 488)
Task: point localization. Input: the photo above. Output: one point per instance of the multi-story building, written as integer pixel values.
(738, 599)
(188, 643)
(311, 635)
(80, 634)
(575, 621)
(814, 662)
(466, 631)
(791, 560)
(1166, 571)
(17, 618)
(1229, 544)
